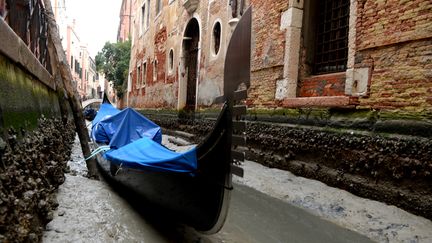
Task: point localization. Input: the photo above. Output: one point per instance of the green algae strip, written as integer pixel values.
(23, 99)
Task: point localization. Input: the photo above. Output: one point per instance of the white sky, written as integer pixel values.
(97, 21)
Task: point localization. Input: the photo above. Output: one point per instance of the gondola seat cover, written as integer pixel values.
(106, 110)
(146, 153)
(125, 127)
(135, 142)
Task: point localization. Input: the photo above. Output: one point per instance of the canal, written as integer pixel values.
(267, 205)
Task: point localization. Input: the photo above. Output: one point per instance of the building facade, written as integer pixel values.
(331, 53)
(126, 16)
(347, 53)
(83, 67)
(178, 50)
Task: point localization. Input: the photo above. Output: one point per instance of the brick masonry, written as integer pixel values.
(323, 85)
(392, 39)
(395, 39)
(401, 76)
(268, 43)
(388, 22)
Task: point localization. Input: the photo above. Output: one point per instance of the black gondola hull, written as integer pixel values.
(196, 200)
(199, 199)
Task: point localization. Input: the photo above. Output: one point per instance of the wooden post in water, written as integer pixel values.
(58, 57)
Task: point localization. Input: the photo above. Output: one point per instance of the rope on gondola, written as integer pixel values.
(97, 151)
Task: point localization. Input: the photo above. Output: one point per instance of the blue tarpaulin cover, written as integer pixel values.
(135, 141)
(147, 153)
(105, 111)
(125, 127)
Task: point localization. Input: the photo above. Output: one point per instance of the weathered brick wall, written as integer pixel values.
(401, 77)
(323, 85)
(394, 38)
(268, 49)
(268, 41)
(160, 53)
(387, 22)
(263, 86)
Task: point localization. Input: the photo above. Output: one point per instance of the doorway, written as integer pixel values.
(190, 52)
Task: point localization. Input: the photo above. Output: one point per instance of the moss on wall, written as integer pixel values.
(23, 99)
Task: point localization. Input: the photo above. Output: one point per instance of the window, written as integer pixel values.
(147, 15)
(142, 20)
(155, 70)
(158, 6)
(171, 61)
(216, 38)
(144, 17)
(129, 87)
(138, 79)
(331, 51)
(144, 75)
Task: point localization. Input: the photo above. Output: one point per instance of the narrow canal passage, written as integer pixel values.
(90, 211)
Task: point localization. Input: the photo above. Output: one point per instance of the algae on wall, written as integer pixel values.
(23, 99)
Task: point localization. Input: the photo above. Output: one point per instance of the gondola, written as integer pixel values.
(198, 197)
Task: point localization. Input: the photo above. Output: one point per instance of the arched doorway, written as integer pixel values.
(190, 58)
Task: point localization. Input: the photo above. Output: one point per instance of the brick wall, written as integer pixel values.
(268, 41)
(401, 76)
(323, 85)
(263, 86)
(386, 22)
(160, 53)
(268, 49)
(394, 38)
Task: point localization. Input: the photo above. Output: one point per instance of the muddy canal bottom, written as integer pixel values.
(283, 208)
(90, 211)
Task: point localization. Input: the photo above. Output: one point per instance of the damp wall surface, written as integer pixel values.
(23, 99)
(35, 144)
(372, 154)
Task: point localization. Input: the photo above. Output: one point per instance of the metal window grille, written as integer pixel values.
(331, 52)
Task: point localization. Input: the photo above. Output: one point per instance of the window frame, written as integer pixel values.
(155, 70)
(142, 22)
(159, 6)
(138, 76)
(144, 75)
(171, 61)
(332, 37)
(213, 39)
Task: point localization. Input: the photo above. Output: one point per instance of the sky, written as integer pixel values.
(96, 21)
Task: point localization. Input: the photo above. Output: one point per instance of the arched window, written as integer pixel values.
(216, 38)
